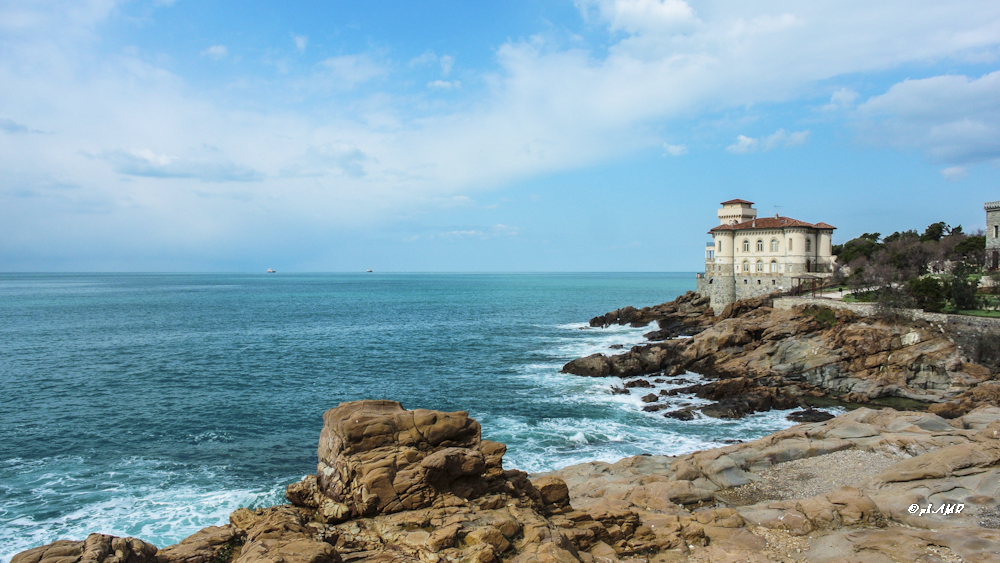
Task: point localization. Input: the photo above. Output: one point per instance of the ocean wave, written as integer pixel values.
(160, 502)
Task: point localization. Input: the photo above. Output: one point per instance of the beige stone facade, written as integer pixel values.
(751, 256)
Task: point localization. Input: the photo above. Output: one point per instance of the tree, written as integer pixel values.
(865, 245)
(935, 231)
(971, 249)
(963, 290)
(910, 234)
(928, 293)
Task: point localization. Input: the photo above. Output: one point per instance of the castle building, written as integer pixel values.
(992, 234)
(751, 256)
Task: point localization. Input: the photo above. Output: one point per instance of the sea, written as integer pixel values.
(153, 405)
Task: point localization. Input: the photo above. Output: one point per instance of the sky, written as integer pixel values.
(587, 135)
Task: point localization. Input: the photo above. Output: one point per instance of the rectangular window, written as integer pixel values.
(789, 244)
(996, 231)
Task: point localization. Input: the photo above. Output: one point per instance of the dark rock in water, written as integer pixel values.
(762, 399)
(684, 390)
(655, 408)
(809, 415)
(638, 383)
(616, 347)
(731, 441)
(594, 365)
(664, 392)
(651, 398)
(658, 335)
(658, 380)
(681, 414)
(616, 390)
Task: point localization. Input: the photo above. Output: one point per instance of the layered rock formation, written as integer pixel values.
(687, 315)
(811, 351)
(407, 486)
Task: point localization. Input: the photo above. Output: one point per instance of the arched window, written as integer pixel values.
(760, 265)
(774, 245)
(773, 282)
(720, 246)
(746, 265)
(760, 245)
(710, 280)
(808, 245)
(774, 266)
(745, 281)
(746, 246)
(758, 282)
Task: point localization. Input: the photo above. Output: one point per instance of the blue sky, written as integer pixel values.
(596, 135)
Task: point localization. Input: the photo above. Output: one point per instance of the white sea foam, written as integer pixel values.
(159, 502)
(623, 429)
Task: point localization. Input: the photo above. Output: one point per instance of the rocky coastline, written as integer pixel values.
(871, 485)
(761, 358)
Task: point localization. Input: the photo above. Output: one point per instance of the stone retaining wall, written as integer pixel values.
(868, 309)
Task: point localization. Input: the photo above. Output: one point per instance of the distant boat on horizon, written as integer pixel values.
(270, 271)
(369, 270)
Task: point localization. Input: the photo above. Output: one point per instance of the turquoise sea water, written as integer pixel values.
(153, 405)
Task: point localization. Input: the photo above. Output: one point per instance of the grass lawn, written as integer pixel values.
(978, 313)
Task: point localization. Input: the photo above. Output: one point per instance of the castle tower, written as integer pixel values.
(992, 234)
(736, 211)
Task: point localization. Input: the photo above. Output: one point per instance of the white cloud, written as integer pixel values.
(447, 61)
(498, 230)
(301, 41)
(327, 154)
(425, 58)
(444, 85)
(328, 159)
(950, 119)
(779, 138)
(954, 173)
(217, 52)
(144, 162)
(504, 230)
(347, 71)
(463, 234)
(635, 16)
(842, 98)
(743, 145)
(674, 150)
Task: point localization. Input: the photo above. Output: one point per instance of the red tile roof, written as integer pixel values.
(771, 223)
(736, 201)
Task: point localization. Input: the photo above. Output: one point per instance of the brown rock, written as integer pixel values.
(553, 490)
(376, 457)
(97, 548)
(208, 545)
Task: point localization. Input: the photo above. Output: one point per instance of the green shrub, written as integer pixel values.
(928, 293)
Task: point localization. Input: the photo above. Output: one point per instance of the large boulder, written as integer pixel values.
(375, 457)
